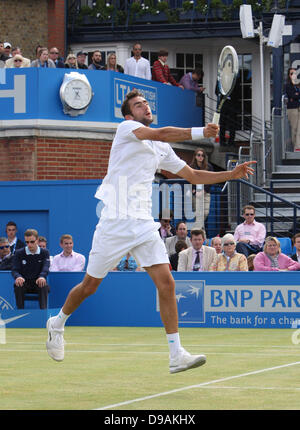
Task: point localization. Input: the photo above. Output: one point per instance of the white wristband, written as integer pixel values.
(197, 133)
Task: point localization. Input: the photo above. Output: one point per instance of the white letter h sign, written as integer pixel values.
(18, 93)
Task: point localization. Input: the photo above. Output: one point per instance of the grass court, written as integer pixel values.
(116, 368)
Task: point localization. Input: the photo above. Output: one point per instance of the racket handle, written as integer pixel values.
(216, 118)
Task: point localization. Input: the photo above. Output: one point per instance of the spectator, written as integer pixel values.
(68, 260)
(179, 246)
(16, 52)
(96, 61)
(112, 63)
(37, 51)
(6, 257)
(272, 259)
(137, 65)
(200, 162)
(190, 81)
(54, 56)
(42, 242)
(17, 62)
(166, 229)
(249, 235)
(7, 49)
(71, 62)
(292, 90)
(43, 59)
(181, 234)
(250, 260)
(3, 56)
(127, 264)
(11, 233)
(30, 270)
(216, 243)
(161, 71)
(198, 257)
(229, 260)
(229, 113)
(296, 244)
(81, 58)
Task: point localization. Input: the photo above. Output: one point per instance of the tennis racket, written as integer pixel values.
(228, 69)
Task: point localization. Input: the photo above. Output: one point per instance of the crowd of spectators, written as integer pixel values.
(136, 65)
(247, 249)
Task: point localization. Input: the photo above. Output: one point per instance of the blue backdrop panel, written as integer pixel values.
(33, 93)
(238, 300)
(53, 208)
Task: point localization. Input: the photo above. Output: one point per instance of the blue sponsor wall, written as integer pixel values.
(53, 208)
(33, 93)
(236, 300)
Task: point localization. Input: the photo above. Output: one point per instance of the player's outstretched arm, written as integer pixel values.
(176, 134)
(241, 171)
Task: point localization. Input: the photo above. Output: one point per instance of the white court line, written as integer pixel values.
(190, 387)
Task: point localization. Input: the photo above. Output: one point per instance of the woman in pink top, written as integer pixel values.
(271, 259)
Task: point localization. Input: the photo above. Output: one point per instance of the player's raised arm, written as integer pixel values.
(176, 134)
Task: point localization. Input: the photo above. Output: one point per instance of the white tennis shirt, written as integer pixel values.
(126, 190)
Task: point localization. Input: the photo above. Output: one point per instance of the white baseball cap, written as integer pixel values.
(7, 45)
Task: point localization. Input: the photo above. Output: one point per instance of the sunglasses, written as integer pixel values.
(17, 61)
(53, 52)
(4, 246)
(30, 241)
(228, 243)
(249, 214)
(199, 155)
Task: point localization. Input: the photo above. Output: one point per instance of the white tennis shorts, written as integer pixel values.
(114, 238)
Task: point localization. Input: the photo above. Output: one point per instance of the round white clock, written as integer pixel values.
(75, 93)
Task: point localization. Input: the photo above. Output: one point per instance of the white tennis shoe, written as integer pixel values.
(184, 361)
(55, 344)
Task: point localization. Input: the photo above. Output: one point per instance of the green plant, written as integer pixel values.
(202, 6)
(103, 10)
(162, 6)
(236, 4)
(216, 4)
(187, 5)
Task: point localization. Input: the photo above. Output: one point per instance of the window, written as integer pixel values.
(186, 63)
(245, 93)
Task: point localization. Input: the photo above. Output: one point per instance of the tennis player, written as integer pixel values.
(126, 224)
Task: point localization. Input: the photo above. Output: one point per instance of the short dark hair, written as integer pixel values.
(31, 232)
(180, 245)
(198, 72)
(197, 232)
(178, 224)
(125, 109)
(162, 53)
(11, 223)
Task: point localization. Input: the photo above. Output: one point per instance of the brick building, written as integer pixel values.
(28, 23)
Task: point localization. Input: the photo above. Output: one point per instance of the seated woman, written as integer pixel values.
(272, 259)
(229, 260)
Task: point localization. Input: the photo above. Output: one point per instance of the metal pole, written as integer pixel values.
(262, 80)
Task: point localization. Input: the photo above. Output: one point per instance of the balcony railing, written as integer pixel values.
(141, 12)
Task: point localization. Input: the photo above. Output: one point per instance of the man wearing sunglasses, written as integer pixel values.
(5, 254)
(250, 235)
(30, 270)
